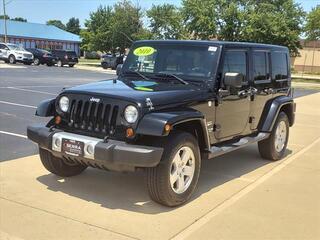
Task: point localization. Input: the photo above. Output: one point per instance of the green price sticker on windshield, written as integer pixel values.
(144, 51)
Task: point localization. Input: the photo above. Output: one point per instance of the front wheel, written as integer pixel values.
(173, 181)
(58, 166)
(59, 63)
(12, 59)
(274, 147)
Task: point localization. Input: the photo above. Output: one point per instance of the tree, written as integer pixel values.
(98, 33)
(166, 22)
(127, 24)
(264, 21)
(4, 17)
(200, 18)
(114, 27)
(56, 23)
(73, 26)
(313, 24)
(275, 22)
(19, 19)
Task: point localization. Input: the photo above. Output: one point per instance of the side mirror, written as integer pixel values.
(233, 79)
(118, 70)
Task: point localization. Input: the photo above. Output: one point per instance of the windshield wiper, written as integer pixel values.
(136, 73)
(172, 75)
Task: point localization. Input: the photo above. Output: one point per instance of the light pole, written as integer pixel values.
(5, 21)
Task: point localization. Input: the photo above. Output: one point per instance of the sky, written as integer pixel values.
(39, 11)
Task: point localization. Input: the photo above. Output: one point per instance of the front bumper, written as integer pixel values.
(24, 60)
(111, 155)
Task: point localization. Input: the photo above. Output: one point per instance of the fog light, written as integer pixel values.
(90, 149)
(57, 142)
(167, 128)
(129, 132)
(57, 120)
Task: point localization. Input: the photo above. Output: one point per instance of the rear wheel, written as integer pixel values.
(71, 65)
(58, 166)
(274, 147)
(12, 59)
(173, 181)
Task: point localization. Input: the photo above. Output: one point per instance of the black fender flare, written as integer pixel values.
(272, 109)
(152, 124)
(46, 108)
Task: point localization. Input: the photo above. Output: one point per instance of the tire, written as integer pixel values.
(12, 59)
(36, 61)
(59, 63)
(158, 178)
(71, 65)
(268, 148)
(58, 166)
(104, 65)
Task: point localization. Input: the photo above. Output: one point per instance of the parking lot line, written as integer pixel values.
(237, 196)
(38, 86)
(29, 90)
(14, 134)
(18, 104)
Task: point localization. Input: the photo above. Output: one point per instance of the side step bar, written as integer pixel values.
(243, 142)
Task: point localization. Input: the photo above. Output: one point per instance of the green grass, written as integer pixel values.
(83, 61)
(306, 80)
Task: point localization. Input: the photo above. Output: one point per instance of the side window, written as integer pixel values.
(235, 61)
(279, 65)
(2, 46)
(260, 66)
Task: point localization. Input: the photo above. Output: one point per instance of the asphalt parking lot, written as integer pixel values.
(21, 90)
(239, 195)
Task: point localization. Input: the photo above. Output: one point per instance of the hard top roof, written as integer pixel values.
(214, 42)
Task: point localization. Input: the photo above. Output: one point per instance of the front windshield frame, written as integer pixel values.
(186, 77)
(15, 47)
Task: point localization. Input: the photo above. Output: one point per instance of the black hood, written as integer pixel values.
(139, 91)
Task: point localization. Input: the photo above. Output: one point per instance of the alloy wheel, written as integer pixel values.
(182, 170)
(280, 136)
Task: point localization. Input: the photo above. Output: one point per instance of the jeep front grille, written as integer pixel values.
(92, 116)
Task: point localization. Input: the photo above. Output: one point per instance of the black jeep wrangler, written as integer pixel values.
(173, 105)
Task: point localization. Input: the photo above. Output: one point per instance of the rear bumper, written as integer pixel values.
(111, 155)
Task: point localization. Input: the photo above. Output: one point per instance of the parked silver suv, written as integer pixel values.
(12, 53)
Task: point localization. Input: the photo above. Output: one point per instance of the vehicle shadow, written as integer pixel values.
(128, 190)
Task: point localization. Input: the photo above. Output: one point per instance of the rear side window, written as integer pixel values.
(261, 66)
(279, 65)
(235, 61)
(71, 54)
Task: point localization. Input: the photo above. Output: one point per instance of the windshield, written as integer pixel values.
(15, 47)
(188, 62)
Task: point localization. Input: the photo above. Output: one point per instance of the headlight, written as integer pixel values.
(64, 104)
(131, 114)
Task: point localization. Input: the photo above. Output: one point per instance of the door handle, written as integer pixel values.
(243, 93)
(253, 91)
(268, 90)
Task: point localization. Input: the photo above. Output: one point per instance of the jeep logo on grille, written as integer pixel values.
(94, 99)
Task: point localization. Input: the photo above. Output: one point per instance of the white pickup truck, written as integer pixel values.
(12, 53)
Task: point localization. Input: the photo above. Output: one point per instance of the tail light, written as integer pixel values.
(66, 57)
